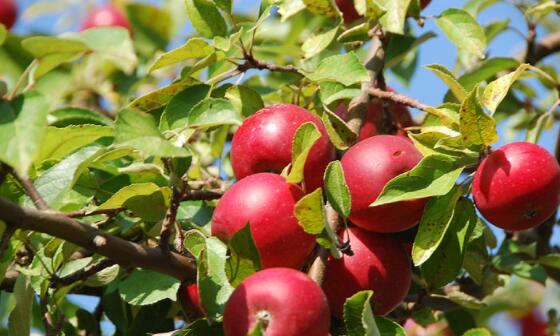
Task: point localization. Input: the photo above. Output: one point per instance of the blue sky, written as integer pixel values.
(425, 86)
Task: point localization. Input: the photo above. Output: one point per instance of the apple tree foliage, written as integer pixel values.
(123, 134)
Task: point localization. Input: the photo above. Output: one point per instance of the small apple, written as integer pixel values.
(367, 167)
(286, 302)
(348, 10)
(266, 202)
(106, 16)
(517, 186)
(263, 143)
(190, 301)
(8, 13)
(533, 324)
(378, 263)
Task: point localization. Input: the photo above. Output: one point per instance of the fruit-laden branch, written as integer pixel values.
(397, 98)
(121, 251)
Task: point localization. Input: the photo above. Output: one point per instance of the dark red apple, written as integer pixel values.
(8, 13)
(263, 143)
(266, 202)
(517, 186)
(424, 3)
(348, 10)
(379, 263)
(106, 16)
(285, 301)
(368, 166)
(190, 301)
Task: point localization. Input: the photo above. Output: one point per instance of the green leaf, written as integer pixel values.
(513, 264)
(206, 18)
(160, 97)
(76, 116)
(118, 199)
(493, 29)
(449, 79)
(336, 189)
(199, 327)
(338, 131)
(152, 25)
(58, 180)
(316, 43)
(304, 139)
(322, 7)
(434, 223)
(3, 33)
(150, 207)
(244, 257)
(288, 8)
(213, 284)
(401, 45)
(496, 91)
(358, 33)
(463, 30)
(345, 69)
(395, 17)
(310, 212)
(225, 5)
(435, 175)
(550, 260)
(139, 130)
(258, 330)
(388, 327)
(19, 322)
(541, 10)
(465, 300)
(358, 316)
(370, 9)
(23, 122)
(195, 47)
(486, 70)
(59, 142)
(478, 332)
(214, 112)
(195, 242)
(333, 91)
(245, 100)
(477, 127)
(103, 277)
(177, 112)
(446, 263)
(144, 287)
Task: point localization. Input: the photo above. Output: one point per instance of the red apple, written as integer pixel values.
(190, 301)
(263, 143)
(285, 301)
(440, 328)
(379, 263)
(368, 166)
(106, 16)
(8, 13)
(348, 10)
(532, 324)
(517, 186)
(424, 3)
(266, 202)
(374, 120)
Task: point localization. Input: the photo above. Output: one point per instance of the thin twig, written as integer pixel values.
(317, 269)
(82, 274)
(169, 220)
(5, 240)
(86, 213)
(30, 190)
(398, 98)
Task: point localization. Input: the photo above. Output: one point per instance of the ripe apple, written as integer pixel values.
(263, 143)
(379, 263)
(517, 186)
(285, 301)
(348, 10)
(8, 13)
(190, 301)
(367, 167)
(106, 16)
(266, 202)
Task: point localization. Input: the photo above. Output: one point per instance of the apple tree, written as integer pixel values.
(260, 176)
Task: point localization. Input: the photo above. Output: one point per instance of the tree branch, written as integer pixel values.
(169, 220)
(397, 98)
(123, 252)
(546, 46)
(252, 63)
